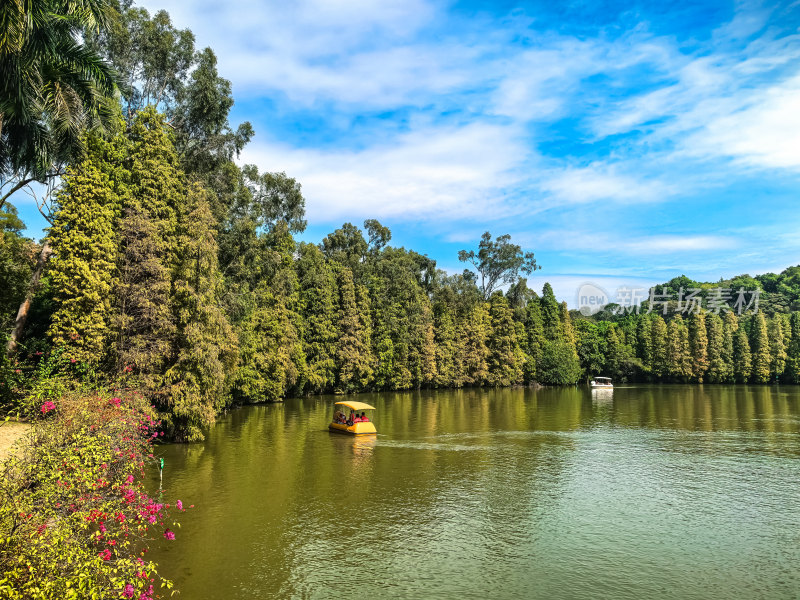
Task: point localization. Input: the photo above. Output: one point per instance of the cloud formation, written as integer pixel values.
(665, 123)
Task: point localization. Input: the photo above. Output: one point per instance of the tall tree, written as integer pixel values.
(730, 325)
(793, 351)
(498, 261)
(17, 259)
(505, 358)
(144, 168)
(742, 357)
(551, 322)
(144, 326)
(205, 348)
(591, 348)
(567, 331)
(473, 333)
(644, 343)
(558, 365)
(346, 246)
(759, 345)
(534, 337)
(777, 347)
(318, 310)
(717, 369)
(660, 339)
(698, 345)
(83, 269)
(353, 353)
(678, 352)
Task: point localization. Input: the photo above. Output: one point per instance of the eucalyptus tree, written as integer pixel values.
(498, 262)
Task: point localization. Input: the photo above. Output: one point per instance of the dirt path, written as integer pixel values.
(9, 433)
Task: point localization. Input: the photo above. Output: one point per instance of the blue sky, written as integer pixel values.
(624, 143)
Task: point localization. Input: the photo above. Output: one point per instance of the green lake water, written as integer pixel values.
(644, 492)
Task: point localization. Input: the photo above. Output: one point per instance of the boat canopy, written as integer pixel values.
(356, 405)
(603, 378)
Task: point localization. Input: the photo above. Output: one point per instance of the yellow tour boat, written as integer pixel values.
(342, 422)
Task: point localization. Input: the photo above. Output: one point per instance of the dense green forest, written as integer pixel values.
(171, 270)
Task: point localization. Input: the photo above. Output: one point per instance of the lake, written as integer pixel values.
(641, 492)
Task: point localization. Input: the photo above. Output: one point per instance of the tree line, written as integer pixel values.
(171, 270)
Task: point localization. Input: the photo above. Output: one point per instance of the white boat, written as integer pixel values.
(601, 382)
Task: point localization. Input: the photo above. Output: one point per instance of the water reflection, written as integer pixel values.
(648, 491)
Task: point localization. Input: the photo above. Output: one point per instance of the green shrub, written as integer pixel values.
(76, 518)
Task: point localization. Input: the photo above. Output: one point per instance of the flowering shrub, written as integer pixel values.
(76, 518)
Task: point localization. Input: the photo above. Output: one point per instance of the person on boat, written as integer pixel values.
(364, 418)
(356, 419)
(351, 418)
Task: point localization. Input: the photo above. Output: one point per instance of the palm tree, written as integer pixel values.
(52, 88)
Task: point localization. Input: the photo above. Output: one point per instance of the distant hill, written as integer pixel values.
(779, 293)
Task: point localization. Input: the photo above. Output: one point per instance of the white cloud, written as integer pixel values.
(436, 172)
(601, 182)
(659, 244)
(766, 133)
(650, 119)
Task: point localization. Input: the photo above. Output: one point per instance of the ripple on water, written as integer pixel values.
(547, 496)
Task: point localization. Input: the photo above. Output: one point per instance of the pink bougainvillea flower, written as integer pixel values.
(116, 401)
(148, 595)
(47, 407)
(128, 591)
(179, 504)
(169, 535)
(105, 554)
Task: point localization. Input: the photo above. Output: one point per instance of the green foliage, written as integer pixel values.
(558, 365)
(591, 348)
(742, 358)
(318, 312)
(777, 348)
(76, 517)
(678, 357)
(698, 346)
(83, 267)
(448, 359)
(346, 246)
(271, 354)
(534, 338)
(793, 351)
(659, 339)
(205, 348)
(551, 321)
(644, 340)
(472, 345)
(53, 88)
(17, 259)
(353, 352)
(717, 366)
(759, 345)
(498, 261)
(505, 358)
